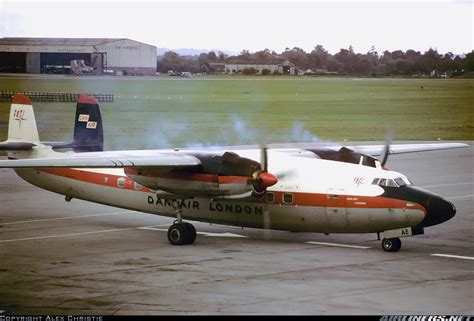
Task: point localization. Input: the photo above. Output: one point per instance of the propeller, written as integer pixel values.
(266, 178)
(261, 179)
(386, 149)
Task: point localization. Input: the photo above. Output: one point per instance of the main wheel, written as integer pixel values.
(391, 245)
(177, 234)
(181, 233)
(190, 234)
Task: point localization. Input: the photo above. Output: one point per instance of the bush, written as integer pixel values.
(266, 72)
(249, 71)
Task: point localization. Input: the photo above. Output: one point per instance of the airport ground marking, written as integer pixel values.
(453, 184)
(76, 234)
(221, 234)
(454, 256)
(200, 233)
(340, 245)
(150, 228)
(64, 218)
(464, 196)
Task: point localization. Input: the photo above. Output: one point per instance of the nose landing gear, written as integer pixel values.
(391, 245)
(181, 233)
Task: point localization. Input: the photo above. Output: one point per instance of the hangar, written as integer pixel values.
(119, 56)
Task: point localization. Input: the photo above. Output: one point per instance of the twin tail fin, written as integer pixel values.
(23, 132)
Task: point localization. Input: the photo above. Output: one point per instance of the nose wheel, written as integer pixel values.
(391, 245)
(181, 233)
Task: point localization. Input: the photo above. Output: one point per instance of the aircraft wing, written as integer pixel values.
(107, 160)
(376, 150)
(169, 159)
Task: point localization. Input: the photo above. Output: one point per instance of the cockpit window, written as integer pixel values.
(397, 182)
(400, 181)
(391, 183)
(407, 181)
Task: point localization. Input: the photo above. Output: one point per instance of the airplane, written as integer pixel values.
(330, 189)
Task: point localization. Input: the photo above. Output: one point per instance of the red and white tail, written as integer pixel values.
(22, 130)
(22, 123)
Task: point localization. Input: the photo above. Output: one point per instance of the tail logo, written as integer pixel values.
(83, 118)
(19, 114)
(91, 125)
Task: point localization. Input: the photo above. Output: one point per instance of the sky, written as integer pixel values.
(445, 25)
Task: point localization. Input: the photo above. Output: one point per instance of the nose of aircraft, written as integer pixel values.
(439, 210)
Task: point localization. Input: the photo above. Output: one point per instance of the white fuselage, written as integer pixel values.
(313, 195)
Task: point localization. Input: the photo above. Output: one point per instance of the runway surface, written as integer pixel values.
(84, 258)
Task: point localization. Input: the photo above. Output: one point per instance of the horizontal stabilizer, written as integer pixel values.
(58, 145)
(78, 146)
(16, 146)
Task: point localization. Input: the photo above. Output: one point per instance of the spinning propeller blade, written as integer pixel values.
(386, 149)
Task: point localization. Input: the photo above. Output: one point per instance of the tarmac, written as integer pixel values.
(81, 258)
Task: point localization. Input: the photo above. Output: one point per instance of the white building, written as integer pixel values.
(43, 55)
(271, 66)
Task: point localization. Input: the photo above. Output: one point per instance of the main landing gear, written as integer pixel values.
(391, 245)
(181, 233)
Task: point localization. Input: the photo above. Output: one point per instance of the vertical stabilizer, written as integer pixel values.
(88, 129)
(22, 123)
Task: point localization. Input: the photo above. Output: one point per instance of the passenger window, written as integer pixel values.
(287, 198)
(270, 197)
(137, 186)
(121, 182)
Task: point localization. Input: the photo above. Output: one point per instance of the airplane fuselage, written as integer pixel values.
(318, 196)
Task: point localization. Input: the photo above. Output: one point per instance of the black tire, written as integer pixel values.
(191, 233)
(391, 245)
(177, 234)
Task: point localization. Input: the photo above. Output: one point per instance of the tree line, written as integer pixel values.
(345, 62)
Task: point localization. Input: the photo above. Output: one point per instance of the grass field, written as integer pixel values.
(168, 112)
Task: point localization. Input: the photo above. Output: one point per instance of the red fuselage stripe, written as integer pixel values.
(299, 199)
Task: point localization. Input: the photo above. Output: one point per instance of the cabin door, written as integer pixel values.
(336, 207)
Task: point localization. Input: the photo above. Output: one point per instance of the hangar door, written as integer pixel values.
(13, 62)
(60, 63)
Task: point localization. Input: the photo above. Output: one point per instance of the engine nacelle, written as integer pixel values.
(216, 176)
(192, 184)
